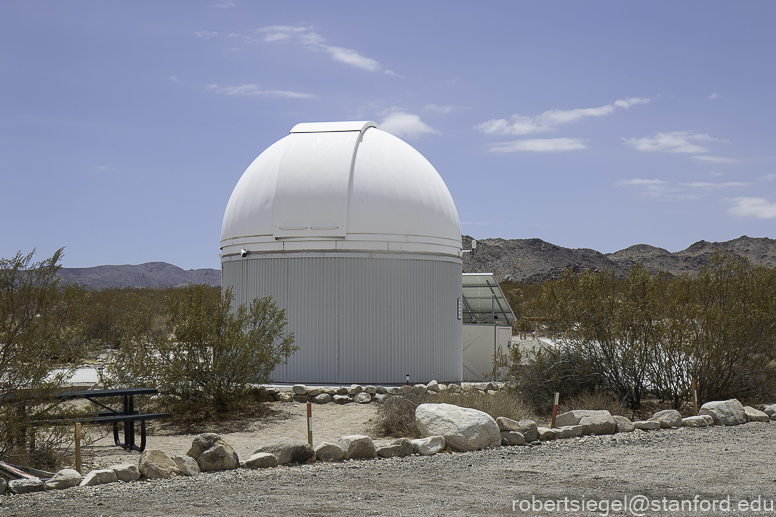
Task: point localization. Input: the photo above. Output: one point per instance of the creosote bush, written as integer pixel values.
(206, 355)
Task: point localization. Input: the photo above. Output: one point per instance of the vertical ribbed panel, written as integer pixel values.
(363, 320)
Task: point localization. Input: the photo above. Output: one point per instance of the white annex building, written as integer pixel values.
(354, 233)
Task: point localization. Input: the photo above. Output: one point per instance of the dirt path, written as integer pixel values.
(677, 464)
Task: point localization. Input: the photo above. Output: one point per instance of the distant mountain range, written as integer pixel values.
(534, 260)
(523, 260)
(150, 274)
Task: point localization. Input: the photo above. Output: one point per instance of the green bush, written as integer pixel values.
(206, 354)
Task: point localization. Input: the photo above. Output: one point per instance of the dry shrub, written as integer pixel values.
(594, 400)
(396, 415)
(501, 403)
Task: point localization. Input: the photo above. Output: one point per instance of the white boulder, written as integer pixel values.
(668, 418)
(464, 429)
(725, 412)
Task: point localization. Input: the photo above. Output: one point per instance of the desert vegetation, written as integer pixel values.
(191, 343)
(649, 335)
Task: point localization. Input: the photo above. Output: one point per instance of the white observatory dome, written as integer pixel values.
(354, 234)
(341, 186)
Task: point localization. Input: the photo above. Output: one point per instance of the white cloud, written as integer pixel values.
(753, 207)
(401, 123)
(675, 142)
(656, 188)
(102, 168)
(254, 89)
(539, 145)
(316, 42)
(173, 78)
(713, 96)
(768, 177)
(549, 120)
(353, 58)
(705, 184)
(640, 181)
(438, 109)
(206, 34)
(224, 4)
(715, 159)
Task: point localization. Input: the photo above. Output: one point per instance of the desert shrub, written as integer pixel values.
(501, 403)
(396, 415)
(207, 354)
(537, 378)
(41, 344)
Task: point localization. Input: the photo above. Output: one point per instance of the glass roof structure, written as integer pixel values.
(484, 301)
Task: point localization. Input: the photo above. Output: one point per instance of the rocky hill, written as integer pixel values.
(524, 260)
(150, 274)
(534, 260)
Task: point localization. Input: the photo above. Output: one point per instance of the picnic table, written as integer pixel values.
(126, 414)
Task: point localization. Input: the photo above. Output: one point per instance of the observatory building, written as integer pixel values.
(355, 234)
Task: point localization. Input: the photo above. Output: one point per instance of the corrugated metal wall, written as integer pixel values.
(360, 319)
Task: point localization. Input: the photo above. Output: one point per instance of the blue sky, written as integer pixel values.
(124, 126)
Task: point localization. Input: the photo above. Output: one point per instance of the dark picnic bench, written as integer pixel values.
(126, 415)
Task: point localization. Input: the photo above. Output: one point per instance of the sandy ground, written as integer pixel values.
(286, 419)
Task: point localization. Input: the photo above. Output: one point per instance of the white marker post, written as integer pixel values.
(310, 424)
(555, 410)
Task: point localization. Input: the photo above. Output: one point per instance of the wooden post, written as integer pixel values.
(695, 396)
(78, 447)
(555, 410)
(310, 424)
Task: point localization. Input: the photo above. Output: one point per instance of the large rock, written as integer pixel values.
(697, 421)
(357, 446)
(595, 421)
(322, 398)
(289, 450)
(341, 399)
(755, 415)
(668, 418)
(363, 398)
(398, 449)
(314, 392)
(546, 434)
(433, 386)
(528, 429)
(212, 453)
(127, 471)
(512, 438)
(725, 412)
(507, 424)
(429, 445)
(65, 478)
(568, 431)
(187, 466)
(155, 464)
(770, 410)
(624, 425)
(299, 389)
(99, 477)
(355, 389)
(464, 429)
(646, 425)
(328, 452)
(261, 460)
(26, 486)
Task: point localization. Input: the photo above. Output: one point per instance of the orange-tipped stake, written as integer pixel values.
(310, 424)
(555, 410)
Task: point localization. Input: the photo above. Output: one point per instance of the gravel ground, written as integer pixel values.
(714, 463)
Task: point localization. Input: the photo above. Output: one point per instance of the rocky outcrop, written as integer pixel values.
(156, 464)
(212, 453)
(725, 412)
(328, 452)
(99, 477)
(624, 424)
(126, 472)
(289, 450)
(592, 421)
(668, 418)
(398, 449)
(697, 421)
(261, 460)
(464, 429)
(429, 445)
(65, 478)
(755, 415)
(357, 446)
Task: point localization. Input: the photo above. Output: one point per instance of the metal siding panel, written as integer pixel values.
(361, 319)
